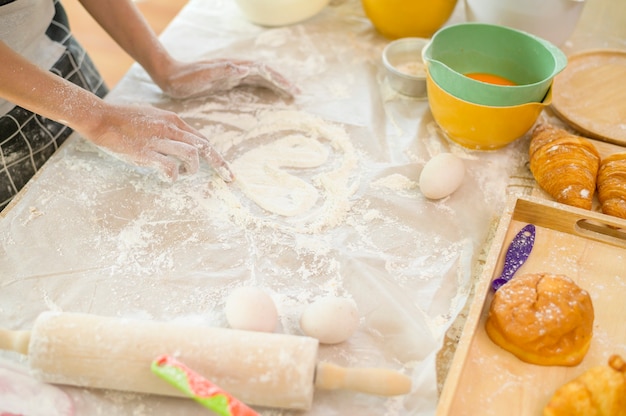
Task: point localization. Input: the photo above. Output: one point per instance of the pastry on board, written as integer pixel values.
(612, 185)
(564, 165)
(599, 391)
(542, 318)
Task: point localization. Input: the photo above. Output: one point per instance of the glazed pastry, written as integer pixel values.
(612, 185)
(599, 391)
(542, 318)
(564, 165)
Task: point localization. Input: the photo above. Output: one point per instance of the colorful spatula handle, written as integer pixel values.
(199, 388)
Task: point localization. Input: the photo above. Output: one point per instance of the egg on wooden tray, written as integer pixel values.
(441, 176)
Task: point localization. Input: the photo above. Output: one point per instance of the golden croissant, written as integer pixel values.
(612, 185)
(599, 391)
(564, 165)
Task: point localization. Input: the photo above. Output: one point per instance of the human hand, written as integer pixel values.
(151, 137)
(187, 80)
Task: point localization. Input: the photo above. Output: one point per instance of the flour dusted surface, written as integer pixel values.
(96, 235)
(174, 252)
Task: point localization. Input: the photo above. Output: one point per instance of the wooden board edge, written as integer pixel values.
(572, 220)
(481, 291)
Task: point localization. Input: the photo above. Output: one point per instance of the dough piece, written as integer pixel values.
(564, 165)
(543, 319)
(612, 185)
(331, 319)
(251, 309)
(599, 391)
(262, 178)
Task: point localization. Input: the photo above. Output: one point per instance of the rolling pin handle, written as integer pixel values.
(378, 381)
(15, 341)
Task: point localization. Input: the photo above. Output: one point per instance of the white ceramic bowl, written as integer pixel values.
(406, 72)
(552, 20)
(280, 12)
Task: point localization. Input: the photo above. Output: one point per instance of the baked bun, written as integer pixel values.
(564, 165)
(543, 319)
(612, 185)
(601, 390)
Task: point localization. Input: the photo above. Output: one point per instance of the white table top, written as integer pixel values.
(92, 234)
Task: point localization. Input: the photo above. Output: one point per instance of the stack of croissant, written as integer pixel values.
(600, 391)
(569, 168)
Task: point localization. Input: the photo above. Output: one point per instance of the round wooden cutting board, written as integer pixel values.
(590, 94)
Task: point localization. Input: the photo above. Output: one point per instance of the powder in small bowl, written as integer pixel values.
(406, 72)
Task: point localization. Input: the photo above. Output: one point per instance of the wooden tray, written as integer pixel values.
(588, 247)
(590, 94)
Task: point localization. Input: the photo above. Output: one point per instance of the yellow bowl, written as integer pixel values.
(481, 127)
(408, 18)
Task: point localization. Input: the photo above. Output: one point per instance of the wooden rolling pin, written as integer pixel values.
(262, 369)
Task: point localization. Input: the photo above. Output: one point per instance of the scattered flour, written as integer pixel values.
(395, 182)
(261, 174)
(316, 196)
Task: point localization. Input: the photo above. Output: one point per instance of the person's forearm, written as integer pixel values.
(126, 25)
(24, 84)
(145, 136)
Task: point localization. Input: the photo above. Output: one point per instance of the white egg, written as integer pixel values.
(441, 176)
(252, 309)
(331, 319)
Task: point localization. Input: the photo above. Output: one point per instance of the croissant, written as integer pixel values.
(564, 165)
(599, 391)
(612, 185)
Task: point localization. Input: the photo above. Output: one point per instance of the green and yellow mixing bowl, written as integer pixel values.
(481, 127)
(459, 56)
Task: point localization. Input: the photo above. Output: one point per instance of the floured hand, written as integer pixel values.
(186, 80)
(151, 137)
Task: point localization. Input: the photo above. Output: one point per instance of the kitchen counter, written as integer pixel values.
(92, 234)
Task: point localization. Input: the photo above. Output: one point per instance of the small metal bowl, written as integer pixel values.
(406, 72)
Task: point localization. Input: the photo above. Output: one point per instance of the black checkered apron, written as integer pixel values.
(27, 140)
